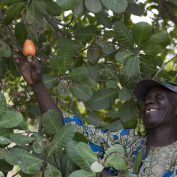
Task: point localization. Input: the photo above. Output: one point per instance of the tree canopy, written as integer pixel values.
(92, 53)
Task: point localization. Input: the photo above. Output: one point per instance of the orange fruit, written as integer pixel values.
(29, 48)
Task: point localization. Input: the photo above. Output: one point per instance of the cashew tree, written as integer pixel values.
(92, 53)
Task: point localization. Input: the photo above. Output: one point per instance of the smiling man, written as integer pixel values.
(160, 118)
(158, 148)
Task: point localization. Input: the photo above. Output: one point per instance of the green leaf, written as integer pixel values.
(68, 48)
(115, 157)
(79, 74)
(84, 34)
(152, 61)
(38, 144)
(152, 49)
(91, 83)
(2, 153)
(52, 171)
(130, 2)
(10, 119)
(113, 114)
(65, 135)
(115, 126)
(94, 53)
(63, 89)
(102, 99)
(60, 64)
(82, 173)
(50, 122)
(106, 47)
(14, 11)
(123, 34)
(34, 16)
(125, 94)
(161, 38)
(96, 121)
(5, 132)
(128, 111)
(141, 32)
(137, 162)
(21, 139)
(132, 68)
(79, 10)
(27, 162)
(94, 71)
(41, 6)
(81, 154)
(4, 141)
(82, 92)
(93, 6)
(5, 167)
(21, 33)
(9, 2)
(80, 137)
(5, 50)
(111, 84)
(136, 9)
(103, 18)
(3, 104)
(1, 174)
(53, 8)
(49, 81)
(122, 56)
(68, 4)
(174, 2)
(117, 6)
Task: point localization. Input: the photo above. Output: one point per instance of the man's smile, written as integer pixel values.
(151, 110)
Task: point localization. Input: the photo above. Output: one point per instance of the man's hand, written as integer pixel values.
(31, 71)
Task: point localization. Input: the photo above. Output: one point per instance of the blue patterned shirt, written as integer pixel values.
(160, 161)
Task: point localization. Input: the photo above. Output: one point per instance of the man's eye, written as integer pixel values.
(160, 97)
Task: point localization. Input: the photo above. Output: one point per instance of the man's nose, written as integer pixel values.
(150, 100)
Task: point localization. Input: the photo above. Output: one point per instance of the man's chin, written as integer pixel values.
(152, 122)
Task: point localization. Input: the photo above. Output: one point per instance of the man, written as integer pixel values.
(158, 149)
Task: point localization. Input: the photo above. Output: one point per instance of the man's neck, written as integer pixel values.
(161, 136)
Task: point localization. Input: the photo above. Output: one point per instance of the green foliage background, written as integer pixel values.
(92, 54)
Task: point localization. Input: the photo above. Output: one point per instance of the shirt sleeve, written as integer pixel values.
(101, 137)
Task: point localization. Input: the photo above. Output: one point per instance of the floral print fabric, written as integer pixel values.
(160, 161)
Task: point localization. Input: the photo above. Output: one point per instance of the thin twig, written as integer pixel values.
(163, 66)
(66, 24)
(15, 174)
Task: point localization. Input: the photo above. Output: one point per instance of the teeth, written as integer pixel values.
(151, 110)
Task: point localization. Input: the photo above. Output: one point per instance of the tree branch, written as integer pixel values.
(54, 24)
(163, 66)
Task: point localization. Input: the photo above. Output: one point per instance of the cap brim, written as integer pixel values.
(142, 88)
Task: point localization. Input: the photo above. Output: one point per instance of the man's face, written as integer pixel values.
(158, 111)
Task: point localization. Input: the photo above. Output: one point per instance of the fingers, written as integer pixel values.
(36, 66)
(21, 62)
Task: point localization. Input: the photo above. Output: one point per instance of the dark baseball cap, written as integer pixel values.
(142, 87)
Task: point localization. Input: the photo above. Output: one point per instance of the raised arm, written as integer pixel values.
(31, 72)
